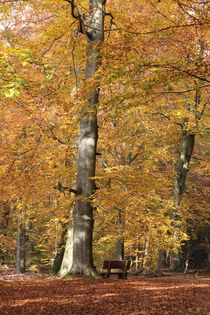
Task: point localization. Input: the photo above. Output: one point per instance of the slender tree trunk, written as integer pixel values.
(83, 212)
(4, 227)
(120, 249)
(184, 160)
(161, 260)
(188, 140)
(60, 252)
(137, 254)
(120, 241)
(21, 240)
(146, 253)
(5, 217)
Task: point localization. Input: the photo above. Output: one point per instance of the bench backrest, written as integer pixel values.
(117, 264)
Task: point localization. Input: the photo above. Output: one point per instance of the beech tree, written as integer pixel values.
(195, 110)
(85, 187)
(21, 243)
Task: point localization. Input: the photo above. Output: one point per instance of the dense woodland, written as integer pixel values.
(130, 80)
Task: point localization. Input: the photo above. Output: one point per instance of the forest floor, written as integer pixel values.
(136, 296)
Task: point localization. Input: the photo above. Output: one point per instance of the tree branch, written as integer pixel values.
(80, 18)
(74, 14)
(62, 188)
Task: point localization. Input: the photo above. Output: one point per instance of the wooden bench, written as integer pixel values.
(116, 267)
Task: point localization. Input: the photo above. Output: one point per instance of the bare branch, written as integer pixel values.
(180, 92)
(62, 188)
(156, 31)
(74, 10)
(80, 18)
(190, 74)
(73, 63)
(156, 9)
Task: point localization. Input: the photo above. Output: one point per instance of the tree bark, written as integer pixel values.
(120, 241)
(68, 254)
(184, 159)
(21, 240)
(161, 260)
(5, 217)
(83, 212)
(120, 249)
(146, 253)
(188, 141)
(60, 252)
(6, 208)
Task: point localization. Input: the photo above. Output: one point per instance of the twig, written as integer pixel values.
(156, 9)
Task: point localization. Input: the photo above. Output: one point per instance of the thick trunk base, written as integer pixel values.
(86, 272)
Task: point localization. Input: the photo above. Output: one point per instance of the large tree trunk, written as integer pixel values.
(188, 140)
(83, 212)
(21, 240)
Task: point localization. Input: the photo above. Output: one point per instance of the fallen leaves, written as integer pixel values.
(135, 296)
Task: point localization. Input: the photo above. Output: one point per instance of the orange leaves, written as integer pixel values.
(137, 296)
